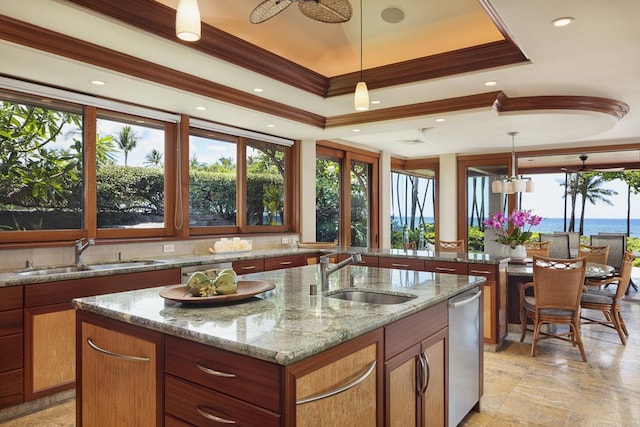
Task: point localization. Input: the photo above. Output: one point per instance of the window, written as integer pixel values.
(130, 173)
(413, 202)
(266, 172)
(351, 216)
(41, 152)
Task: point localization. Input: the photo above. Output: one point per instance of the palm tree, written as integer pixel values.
(126, 140)
(153, 158)
(571, 191)
(589, 186)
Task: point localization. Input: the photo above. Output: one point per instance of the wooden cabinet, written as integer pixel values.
(248, 266)
(339, 387)
(11, 349)
(49, 325)
(367, 260)
(446, 267)
(208, 385)
(277, 263)
(495, 301)
(401, 263)
(416, 369)
(120, 382)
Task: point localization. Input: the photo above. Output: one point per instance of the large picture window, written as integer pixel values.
(41, 152)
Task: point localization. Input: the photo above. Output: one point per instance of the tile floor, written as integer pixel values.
(555, 388)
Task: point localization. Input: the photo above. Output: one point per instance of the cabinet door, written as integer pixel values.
(434, 350)
(403, 399)
(120, 376)
(50, 359)
(339, 389)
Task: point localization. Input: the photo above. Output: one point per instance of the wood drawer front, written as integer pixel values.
(255, 381)
(64, 291)
(11, 386)
(446, 267)
(284, 262)
(401, 263)
(484, 270)
(11, 353)
(249, 266)
(407, 331)
(367, 260)
(10, 297)
(170, 421)
(184, 399)
(10, 323)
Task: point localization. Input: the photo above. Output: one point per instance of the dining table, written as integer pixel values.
(523, 273)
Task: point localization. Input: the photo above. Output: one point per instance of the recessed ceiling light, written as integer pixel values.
(375, 102)
(562, 22)
(98, 82)
(355, 130)
(271, 126)
(491, 83)
(201, 108)
(439, 120)
(258, 90)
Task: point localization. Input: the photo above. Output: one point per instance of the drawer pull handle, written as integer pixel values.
(116, 355)
(427, 378)
(215, 373)
(340, 389)
(286, 262)
(399, 265)
(213, 417)
(480, 271)
(250, 267)
(445, 269)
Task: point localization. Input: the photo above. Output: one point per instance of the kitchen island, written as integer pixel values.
(265, 359)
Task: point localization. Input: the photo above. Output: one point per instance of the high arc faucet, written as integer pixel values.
(80, 246)
(325, 270)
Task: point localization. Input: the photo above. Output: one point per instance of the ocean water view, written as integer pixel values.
(591, 225)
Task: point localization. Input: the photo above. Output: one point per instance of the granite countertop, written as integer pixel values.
(286, 324)
(11, 278)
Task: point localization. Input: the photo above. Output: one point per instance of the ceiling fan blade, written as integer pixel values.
(268, 9)
(329, 11)
(608, 170)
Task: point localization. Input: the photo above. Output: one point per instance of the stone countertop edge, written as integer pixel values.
(286, 324)
(12, 278)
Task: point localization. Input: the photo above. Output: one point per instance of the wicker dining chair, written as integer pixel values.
(451, 246)
(597, 254)
(559, 245)
(557, 289)
(609, 303)
(537, 248)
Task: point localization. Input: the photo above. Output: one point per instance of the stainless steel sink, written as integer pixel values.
(87, 267)
(370, 297)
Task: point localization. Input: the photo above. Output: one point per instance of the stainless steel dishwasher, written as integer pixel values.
(465, 334)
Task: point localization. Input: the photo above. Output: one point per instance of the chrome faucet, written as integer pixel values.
(80, 247)
(325, 271)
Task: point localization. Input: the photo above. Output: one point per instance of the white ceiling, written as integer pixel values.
(598, 55)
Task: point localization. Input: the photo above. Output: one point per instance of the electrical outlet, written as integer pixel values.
(168, 248)
(285, 240)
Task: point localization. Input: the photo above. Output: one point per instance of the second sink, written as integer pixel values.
(369, 297)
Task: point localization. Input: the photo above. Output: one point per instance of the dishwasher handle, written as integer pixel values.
(460, 303)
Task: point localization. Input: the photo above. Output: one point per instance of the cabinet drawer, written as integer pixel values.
(401, 263)
(195, 404)
(10, 322)
(446, 267)
(11, 385)
(11, 353)
(255, 381)
(367, 260)
(284, 262)
(10, 297)
(407, 331)
(483, 270)
(249, 266)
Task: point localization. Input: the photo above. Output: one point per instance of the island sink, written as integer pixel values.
(368, 297)
(84, 267)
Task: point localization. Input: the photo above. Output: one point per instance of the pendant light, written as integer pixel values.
(188, 20)
(514, 183)
(361, 96)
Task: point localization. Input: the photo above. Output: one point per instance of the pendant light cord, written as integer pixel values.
(361, 41)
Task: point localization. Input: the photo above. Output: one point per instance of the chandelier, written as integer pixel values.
(514, 183)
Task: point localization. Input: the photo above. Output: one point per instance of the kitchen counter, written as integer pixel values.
(10, 278)
(286, 324)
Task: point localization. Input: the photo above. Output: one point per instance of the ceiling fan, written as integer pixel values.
(584, 168)
(421, 138)
(330, 11)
